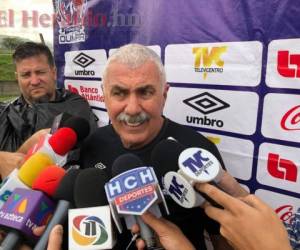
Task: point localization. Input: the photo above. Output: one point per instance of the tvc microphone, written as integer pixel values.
(64, 195)
(46, 182)
(133, 191)
(182, 167)
(90, 224)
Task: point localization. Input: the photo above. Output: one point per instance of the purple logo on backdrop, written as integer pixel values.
(133, 191)
(70, 17)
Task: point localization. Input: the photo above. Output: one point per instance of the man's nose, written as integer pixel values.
(34, 79)
(133, 106)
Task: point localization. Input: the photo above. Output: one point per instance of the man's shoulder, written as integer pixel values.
(186, 135)
(105, 133)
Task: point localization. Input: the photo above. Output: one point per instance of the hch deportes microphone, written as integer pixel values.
(90, 224)
(133, 191)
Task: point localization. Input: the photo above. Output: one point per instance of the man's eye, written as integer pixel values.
(41, 72)
(25, 75)
(146, 92)
(118, 93)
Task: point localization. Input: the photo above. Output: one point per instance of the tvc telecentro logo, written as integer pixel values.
(205, 59)
(288, 65)
(205, 103)
(88, 230)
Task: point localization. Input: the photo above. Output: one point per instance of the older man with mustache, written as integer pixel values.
(135, 92)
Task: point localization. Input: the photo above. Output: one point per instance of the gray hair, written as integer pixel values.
(134, 55)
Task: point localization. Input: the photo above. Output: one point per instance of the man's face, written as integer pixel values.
(134, 99)
(36, 78)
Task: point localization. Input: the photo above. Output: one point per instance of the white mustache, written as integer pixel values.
(139, 118)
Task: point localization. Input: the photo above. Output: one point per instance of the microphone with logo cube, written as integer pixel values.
(90, 224)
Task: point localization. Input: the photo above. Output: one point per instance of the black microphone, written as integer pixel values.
(64, 195)
(59, 121)
(90, 223)
(137, 191)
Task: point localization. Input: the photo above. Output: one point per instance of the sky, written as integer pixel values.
(27, 18)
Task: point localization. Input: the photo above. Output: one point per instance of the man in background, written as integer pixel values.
(37, 105)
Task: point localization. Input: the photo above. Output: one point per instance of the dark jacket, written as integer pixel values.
(18, 120)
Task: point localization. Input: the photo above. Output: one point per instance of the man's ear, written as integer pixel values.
(166, 89)
(16, 75)
(102, 88)
(55, 73)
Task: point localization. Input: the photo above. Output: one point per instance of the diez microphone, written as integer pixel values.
(182, 167)
(133, 191)
(90, 224)
(64, 195)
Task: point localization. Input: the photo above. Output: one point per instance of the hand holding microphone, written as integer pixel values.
(182, 167)
(169, 235)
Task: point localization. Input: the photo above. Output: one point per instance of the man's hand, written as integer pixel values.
(170, 236)
(230, 185)
(246, 222)
(32, 140)
(9, 161)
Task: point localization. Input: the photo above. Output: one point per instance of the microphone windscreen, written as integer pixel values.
(63, 140)
(164, 156)
(65, 188)
(124, 163)
(33, 166)
(49, 179)
(89, 188)
(80, 125)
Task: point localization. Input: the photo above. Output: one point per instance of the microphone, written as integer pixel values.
(90, 224)
(56, 145)
(47, 182)
(62, 141)
(133, 191)
(24, 177)
(195, 165)
(24, 210)
(59, 121)
(65, 197)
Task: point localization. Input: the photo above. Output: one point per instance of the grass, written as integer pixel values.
(7, 98)
(7, 71)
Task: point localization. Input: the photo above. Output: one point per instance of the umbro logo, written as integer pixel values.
(100, 165)
(83, 60)
(206, 103)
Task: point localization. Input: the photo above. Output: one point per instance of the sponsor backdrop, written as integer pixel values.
(233, 67)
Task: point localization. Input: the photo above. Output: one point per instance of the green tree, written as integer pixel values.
(11, 42)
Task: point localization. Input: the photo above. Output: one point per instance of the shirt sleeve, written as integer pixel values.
(293, 230)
